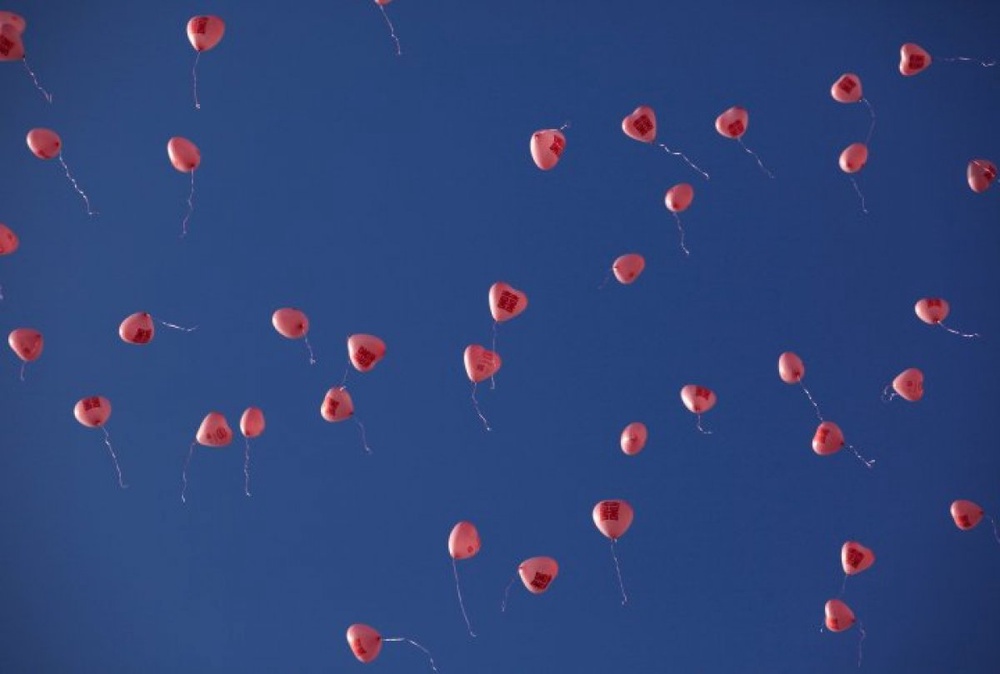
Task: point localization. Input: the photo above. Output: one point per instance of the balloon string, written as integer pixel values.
(503, 605)
(364, 435)
(34, 79)
(246, 467)
(176, 327)
(754, 154)
(680, 228)
(23, 365)
(843, 586)
(967, 335)
(475, 403)
(458, 589)
(76, 187)
(868, 463)
(347, 370)
(392, 31)
(861, 628)
(985, 64)
(702, 429)
(565, 126)
(114, 458)
(864, 209)
(996, 534)
(194, 81)
(413, 643)
(493, 348)
(1, 293)
(685, 158)
(607, 277)
(618, 569)
(312, 356)
(190, 203)
(184, 476)
(871, 127)
(888, 394)
(812, 400)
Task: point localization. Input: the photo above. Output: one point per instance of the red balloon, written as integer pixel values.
(909, 384)
(463, 542)
(92, 412)
(628, 267)
(698, 399)
(855, 557)
(364, 641)
(854, 157)
(8, 240)
(613, 518)
(641, 124)
(204, 32)
(679, 197)
(966, 514)
(382, 2)
(733, 122)
(537, 573)
(913, 59)
(252, 422)
(932, 310)
(839, 616)
(790, 368)
(137, 328)
(290, 323)
(365, 351)
(847, 89)
(981, 173)
(11, 47)
(829, 439)
(184, 155)
(26, 343)
(480, 363)
(634, 438)
(547, 146)
(337, 405)
(15, 21)
(214, 431)
(506, 302)
(44, 143)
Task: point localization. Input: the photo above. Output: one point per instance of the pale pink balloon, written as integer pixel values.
(44, 143)
(382, 2)
(966, 514)
(733, 122)
(26, 343)
(547, 146)
(290, 323)
(679, 197)
(204, 32)
(15, 21)
(337, 405)
(855, 557)
(847, 89)
(463, 542)
(613, 518)
(252, 422)
(364, 641)
(854, 157)
(93, 411)
(909, 384)
(828, 439)
(627, 268)
(506, 302)
(365, 351)
(641, 124)
(184, 155)
(913, 59)
(932, 310)
(537, 573)
(634, 438)
(11, 46)
(698, 399)
(8, 240)
(980, 174)
(137, 328)
(839, 616)
(214, 431)
(790, 368)
(480, 362)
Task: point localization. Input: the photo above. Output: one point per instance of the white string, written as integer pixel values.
(194, 81)
(184, 478)
(754, 154)
(34, 79)
(812, 400)
(684, 157)
(414, 643)
(475, 403)
(702, 429)
(618, 569)
(857, 189)
(392, 31)
(503, 605)
(76, 187)
(246, 468)
(680, 228)
(461, 603)
(871, 127)
(967, 335)
(114, 458)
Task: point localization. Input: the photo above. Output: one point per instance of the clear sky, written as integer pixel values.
(384, 194)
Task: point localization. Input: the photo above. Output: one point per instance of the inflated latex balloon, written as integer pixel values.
(506, 302)
(791, 368)
(137, 328)
(547, 146)
(913, 59)
(698, 399)
(634, 438)
(853, 158)
(252, 422)
(679, 197)
(966, 514)
(8, 240)
(44, 143)
(364, 641)
(932, 310)
(627, 268)
(290, 323)
(365, 351)
(463, 542)
(641, 124)
(855, 557)
(184, 155)
(981, 173)
(26, 343)
(828, 439)
(11, 46)
(382, 2)
(909, 384)
(480, 363)
(92, 412)
(733, 122)
(15, 21)
(214, 431)
(839, 617)
(205, 32)
(847, 89)
(613, 518)
(337, 405)
(537, 573)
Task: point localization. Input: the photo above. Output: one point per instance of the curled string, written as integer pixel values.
(967, 335)
(246, 468)
(503, 604)
(700, 428)
(364, 436)
(864, 209)
(888, 394)
(190, 203)
(461, 603)
(194, 81)
(618, 569)
(475, 403)
(868, 462)
(412, 642)
(76, 187)
(392, 31)
(176, 327)
(861, 628)
(312, 356)
(871, 127)
(812, 400)
(34, 79)
(754, 155)
(114, 458)
(684, 157)
(996, 534)
(493, 348)
(985, 64)
(184, 475)
(680, 228)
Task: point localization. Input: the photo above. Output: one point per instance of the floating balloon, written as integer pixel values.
(186, 158)
(12, 46)
(641, 125)
(251, 426)
(847, 89)
(27, 344)
(980, 174)
(537, 573)
(613, 519)
(8, 240)
(15, 21)
(392, 29)
(214, 431)
(855, 557)
(966, 514)
(913, 59)
(366, 643)
(677, 199)
(93, 412)
(839, 617)
(337, 406)
(203, 32)
(480, 364)
(46, 144)
(139, 328)
(853, 158)
(463, 543)
(909, 384)
(365, 351)
(698, 400)
(829, 439)
(790, 368)
(293, 324)
(733, 124)
(933, 311)
(547, 146)
(627, 268)
(506, 302)
(634, 438)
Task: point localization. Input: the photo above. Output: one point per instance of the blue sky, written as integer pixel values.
(384, 195)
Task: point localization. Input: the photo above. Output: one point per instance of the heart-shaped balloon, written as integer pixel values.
(365, 351)
(790, 368)
(679, 197)
(252, 422)
(966, 514)
(839, 616)
(11, 46)
(183, 154)
(204, 32)
(463, 542)
(93, 411)
(634, 438)
(932, 310)
(698, 399)
(641, 124)
(290, 323)
(628, 267)
(26, 343)
(733, 122)
(855, 557)
(364, 641)
(15, 21)
(847, 89)
(214, 431)
(829, 439)
(913, 59)
(981, 173)
(44, 143)
(537, 573)
(546, 148)
(8, 240)
(480, 363)
(506, 302)
(909, 384)
(853, 158)
(337, 405)
(613, 518)
(137, 328)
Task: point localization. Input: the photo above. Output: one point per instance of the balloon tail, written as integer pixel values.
(364, 435)
(618, 570)
(114, 458)
(190, 203)
(996, 534)
(868, 462)
(888, 394)
(812, 400)
(176, 327)
(985, 64)
(1, 293)
(493, 381)
(184, 474)
(23, 365)
(414, 643)
(475, 403)
(871, 127)
(967, 335)
(698, 425)
(861, 628)
(684, 157)
(194, 81)
(392, 31)
(246, 468)
(680, 228)
(312, 356)
(76, 187)
(461, 603)
(755, 156)
(843, 586)
(864, 208)
(34, 79)
(347, 370)
(506, 592)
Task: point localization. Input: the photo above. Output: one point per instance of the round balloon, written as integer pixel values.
(733, 122)
(909, 384)
(506, 301)
(613, 518)
(980, 174)
(853, 158)
(966, 514)
(829, 439)
(537, 573)
(252, 422)
(337, 405)
(11, 46)
(15, 21)
(480, 363)
(932, 310)
(214, 431)
(184, 155)
(463, 542)
(290, 323)
(364, 641)
(628, 267)
(641, 124)
(204, 32)
(8, 240)
(93, 411)
(634, 438)
(365, 351)
(855, 557)
(26, 343)
(698, 399)
(137, 328)
(790, 368)
(913, 59)
(839, 616)
(546, 148)
(679, 197)
(847, 89)
(44, 143)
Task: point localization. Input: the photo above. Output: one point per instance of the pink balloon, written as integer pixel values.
(641, 124)
(547, 146)
(365, 351)
(337, 405)
(966, 514)
(11, 46)
(506, 302)
(981, 173)
(8, 240)
(634, 438)
(252, 422)
(214, 431)
(44, 143)
(137, 328)
(463, 542)
(679, 197)
(290, 323)
(909, 384)
(364, 641)
(15, 21)
(627, 268)
(790, 368)
(26, 343)
(613, 518)
(854, 157)
(480, 363)
(204, 32)
(913, 59)
(92, 412)
(829, 439)
(537, 573)
(697, 399)
(932, 310)
(855, 557)
(382, 2)
(839, 616)
(184, 155)
(847, 89)
(733, 122)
